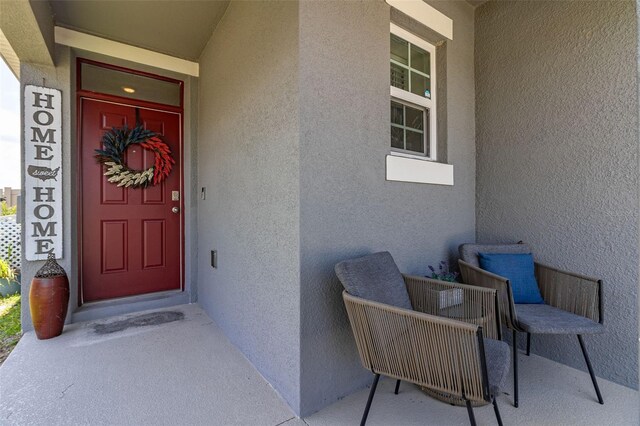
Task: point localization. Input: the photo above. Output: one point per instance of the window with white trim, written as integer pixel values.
(413, 95)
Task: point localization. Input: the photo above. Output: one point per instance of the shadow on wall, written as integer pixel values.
(452, 250)
(327, 346)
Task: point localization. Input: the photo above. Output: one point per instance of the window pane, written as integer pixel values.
(415, 118)
(396, 113)
(399, 77)
(399, 50)
(420, 59)
(420, 85)
(397, 137)
(119, 83)
(415, 142)
(427, 134)
(410, 71)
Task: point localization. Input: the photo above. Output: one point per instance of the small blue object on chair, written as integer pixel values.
(519, 269)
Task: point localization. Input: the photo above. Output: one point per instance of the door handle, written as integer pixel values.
(176, 210)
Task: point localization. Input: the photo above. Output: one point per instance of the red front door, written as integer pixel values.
(131, 240)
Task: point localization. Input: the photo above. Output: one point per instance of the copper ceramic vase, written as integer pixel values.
(48, 299)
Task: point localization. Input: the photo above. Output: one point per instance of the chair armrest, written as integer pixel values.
(575, 293)
(479, 277)
(471, 304)
(439, 353)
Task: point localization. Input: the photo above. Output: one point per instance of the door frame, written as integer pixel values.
(120, 100)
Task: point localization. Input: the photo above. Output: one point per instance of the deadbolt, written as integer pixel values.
(175, 209)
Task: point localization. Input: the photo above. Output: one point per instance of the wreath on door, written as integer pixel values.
(115, 143)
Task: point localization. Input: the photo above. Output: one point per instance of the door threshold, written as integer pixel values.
(126, 305)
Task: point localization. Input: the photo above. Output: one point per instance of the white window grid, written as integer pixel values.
(407, 97)
(406, 127)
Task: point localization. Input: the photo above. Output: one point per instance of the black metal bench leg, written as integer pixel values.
(495, 409)
(528, 344)
(514, 345)
(374, 385)
(593, 376)
(397, 387)
(472, 418)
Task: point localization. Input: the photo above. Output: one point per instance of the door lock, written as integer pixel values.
(175, 210)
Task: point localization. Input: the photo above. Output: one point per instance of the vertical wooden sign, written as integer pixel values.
(43, 172)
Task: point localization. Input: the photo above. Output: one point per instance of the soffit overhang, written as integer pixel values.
(27, 32)
(177, 28)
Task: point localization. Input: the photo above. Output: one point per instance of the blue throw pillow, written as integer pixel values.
(518, 268)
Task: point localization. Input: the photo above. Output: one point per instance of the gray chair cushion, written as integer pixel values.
(546, 319)
(374, 277)
(469, 252)
(498, 363)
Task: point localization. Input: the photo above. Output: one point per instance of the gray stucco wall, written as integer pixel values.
(347, 208)
(248, 161)
(638, 186)
(28, 27)
(557, 141)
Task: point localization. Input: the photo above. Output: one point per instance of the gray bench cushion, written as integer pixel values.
(469, 252)
(546, 319)
(374, 277)
(498, 363)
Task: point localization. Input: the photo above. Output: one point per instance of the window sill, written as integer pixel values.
(405, 169)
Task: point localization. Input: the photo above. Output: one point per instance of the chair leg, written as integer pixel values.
(514, 345)
(495, 409)
(397, 387)
(472, 418)
(593, 376)
(371, 393)
(528, 344)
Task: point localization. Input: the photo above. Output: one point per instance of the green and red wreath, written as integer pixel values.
(115, 143)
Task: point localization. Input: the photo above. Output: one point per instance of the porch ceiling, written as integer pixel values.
(176, 28)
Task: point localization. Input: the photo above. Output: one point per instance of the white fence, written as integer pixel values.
(10, 240)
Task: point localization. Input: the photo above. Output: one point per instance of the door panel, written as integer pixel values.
(131, 241)
(114, 246)
(153, 243)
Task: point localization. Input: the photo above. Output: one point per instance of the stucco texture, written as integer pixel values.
(28, 27)
(248, 161)
(347, 208)
(638, 187)
(557, 155)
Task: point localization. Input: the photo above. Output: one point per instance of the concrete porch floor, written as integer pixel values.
(186, 372)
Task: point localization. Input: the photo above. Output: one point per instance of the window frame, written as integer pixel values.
(406, 97)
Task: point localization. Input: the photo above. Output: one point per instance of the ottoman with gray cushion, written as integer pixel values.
(403, 330)
(572, 302)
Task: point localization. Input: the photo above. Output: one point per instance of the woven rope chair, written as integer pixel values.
(573, 302)
(443, 338)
